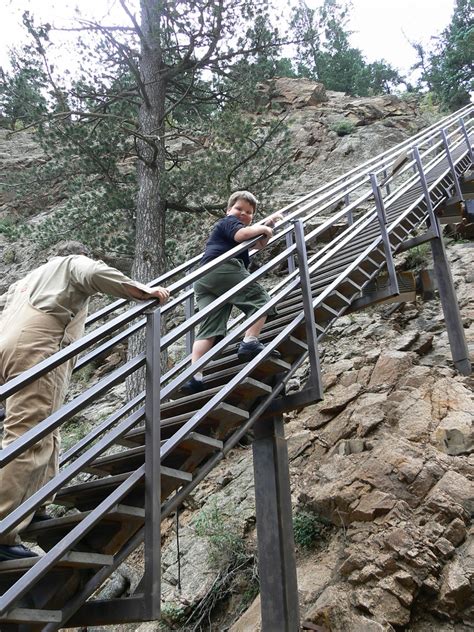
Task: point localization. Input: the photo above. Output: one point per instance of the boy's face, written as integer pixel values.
(243, 210)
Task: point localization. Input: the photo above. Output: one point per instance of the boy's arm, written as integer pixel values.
(249, 232)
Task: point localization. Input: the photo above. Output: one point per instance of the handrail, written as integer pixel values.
(389, 153)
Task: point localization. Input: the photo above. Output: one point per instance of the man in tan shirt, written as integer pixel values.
(42, 313)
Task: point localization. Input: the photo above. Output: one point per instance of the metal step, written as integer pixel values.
(30, 615)
(130, 460)
(72, 559)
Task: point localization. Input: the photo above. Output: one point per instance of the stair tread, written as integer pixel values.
(32, 615)
(229, 365)
(120, 514)
(245, 392)
(71, 559)
(113, 481)
(202, 442)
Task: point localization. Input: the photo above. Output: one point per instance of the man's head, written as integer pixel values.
(71, 247)
(242, 204)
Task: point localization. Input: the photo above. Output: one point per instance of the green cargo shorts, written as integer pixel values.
(226, 276)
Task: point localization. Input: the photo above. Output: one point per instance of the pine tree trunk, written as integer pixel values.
(149, 259)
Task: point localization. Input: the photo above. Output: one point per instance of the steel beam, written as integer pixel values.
(449, 302)
(424, 185)
(466, 136)
(152, 575)
(314, 381)
(276, 550)
(379, 205)
(449, 157)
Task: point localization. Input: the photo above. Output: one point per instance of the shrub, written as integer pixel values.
(418, 257)
(308, 528)
(343, 128)
(226, 545)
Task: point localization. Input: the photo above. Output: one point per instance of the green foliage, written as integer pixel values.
(22, 98)
(172, 614)
(447, 67)
(417, 257)
(9, 256)
(90, 126)
(308, 528)
(13, 229)
(451, 72)
(226, 545)
(99, 218)
(343, 128)
(325, 54)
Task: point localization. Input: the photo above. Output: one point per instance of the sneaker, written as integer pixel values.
(248, 350)
(15, 552)
(192, 387)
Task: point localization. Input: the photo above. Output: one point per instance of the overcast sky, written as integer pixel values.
(381, 27)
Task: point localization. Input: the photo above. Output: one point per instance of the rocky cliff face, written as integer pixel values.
(384, 464)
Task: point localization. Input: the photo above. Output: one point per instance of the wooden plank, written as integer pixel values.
(72, 559)
(224, 413)
(27, 615)
(203, 441)
(110, 612)
(267, 368)
(230, 364)
(120, 513)
(178, 475)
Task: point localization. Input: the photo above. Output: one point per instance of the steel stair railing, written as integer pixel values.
(337, 273)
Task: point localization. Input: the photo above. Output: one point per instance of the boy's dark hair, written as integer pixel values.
(242, 195)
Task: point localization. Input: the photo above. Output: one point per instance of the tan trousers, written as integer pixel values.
(32, 337)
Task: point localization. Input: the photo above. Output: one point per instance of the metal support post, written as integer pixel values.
(276, 548)
(466, 136)
(291, 258)
(350, 216)
(457, 185)
(379, 205)
(188, 312)
(433, 223)
(387, 186)
(449, 302)
(314, 381)
(152, 576)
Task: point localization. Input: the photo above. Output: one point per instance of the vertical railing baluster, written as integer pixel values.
(350, 217)
(311, 333)
(385, 177)
(152, 576)
(466, 136)
(188, 312)
(434, 225)
(449, 157)
(380, 207)
(291, 258)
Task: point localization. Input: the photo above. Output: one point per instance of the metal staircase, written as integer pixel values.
(333, 253)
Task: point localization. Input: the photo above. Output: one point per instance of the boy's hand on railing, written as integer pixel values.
(272, 219)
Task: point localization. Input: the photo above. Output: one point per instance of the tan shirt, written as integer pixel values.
(62, 287)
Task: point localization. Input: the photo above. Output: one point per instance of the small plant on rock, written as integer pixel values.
(172, 615)
(226, 545)
(343, 128)
(308, 528)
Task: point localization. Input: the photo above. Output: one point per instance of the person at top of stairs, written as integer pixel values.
(233, 229)
(42, 313)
